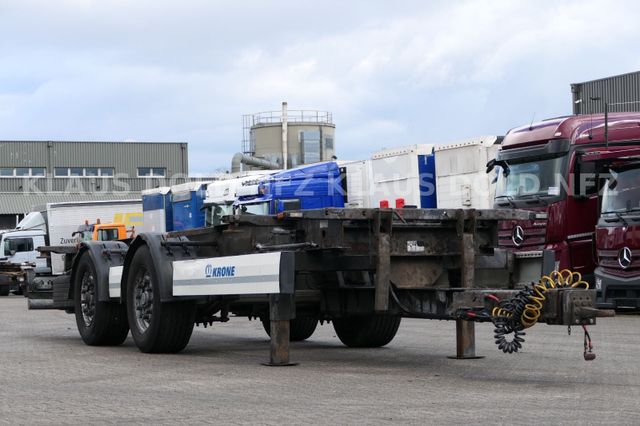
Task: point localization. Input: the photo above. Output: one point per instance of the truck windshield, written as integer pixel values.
(622, 191)
(107, 234)
(540, 177)
(261, 208)
(215, 212)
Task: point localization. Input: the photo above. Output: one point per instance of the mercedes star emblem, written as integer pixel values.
(624, 257)
(517, 236)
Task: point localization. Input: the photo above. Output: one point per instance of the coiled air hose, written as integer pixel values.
(512, 316)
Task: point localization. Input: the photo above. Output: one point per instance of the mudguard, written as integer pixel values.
(163, 256)
(104, 255)
(162, 262)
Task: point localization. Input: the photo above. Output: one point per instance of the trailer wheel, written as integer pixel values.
(371, 331)
(300, 328)
(4, 290)
(156, 327)
(99, 323)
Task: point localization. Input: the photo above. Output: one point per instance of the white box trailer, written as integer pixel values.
(63, 219)
(407, 173)
(426, 176)
(461, 178)
(357, 183)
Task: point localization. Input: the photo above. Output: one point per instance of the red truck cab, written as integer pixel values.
(541, 169)
(617, 276)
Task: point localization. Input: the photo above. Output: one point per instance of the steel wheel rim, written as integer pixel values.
(143, 301)
(87, 298)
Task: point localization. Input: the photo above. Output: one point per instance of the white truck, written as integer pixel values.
(221, 194)
(54, 225)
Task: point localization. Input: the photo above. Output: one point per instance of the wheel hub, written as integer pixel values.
(87, 298)
(143, 301)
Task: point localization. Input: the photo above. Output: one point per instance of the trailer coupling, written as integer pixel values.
(560, 298)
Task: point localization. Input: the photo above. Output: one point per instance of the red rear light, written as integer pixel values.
(399, 203)
(384, 204)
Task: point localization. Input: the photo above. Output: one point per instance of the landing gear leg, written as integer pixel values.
(465, 340)
(282, 310)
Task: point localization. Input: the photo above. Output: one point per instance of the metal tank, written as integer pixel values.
(285, 139)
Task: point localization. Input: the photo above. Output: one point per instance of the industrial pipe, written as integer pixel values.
(240, 158)
(285, 136)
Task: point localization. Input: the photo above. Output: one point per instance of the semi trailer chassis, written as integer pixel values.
(363, 269)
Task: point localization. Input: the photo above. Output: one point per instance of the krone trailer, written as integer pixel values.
(361, 269)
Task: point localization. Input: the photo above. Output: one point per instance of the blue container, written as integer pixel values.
(156, 210)
(187, 204)
(427, 171)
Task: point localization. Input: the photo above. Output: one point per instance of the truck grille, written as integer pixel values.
(608, 260)
(533, 234)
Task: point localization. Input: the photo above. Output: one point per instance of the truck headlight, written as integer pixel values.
(598, 283)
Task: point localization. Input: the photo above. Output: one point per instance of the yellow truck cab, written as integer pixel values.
(103, 232)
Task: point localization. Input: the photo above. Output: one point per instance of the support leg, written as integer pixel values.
(465, 340)
(466, 330)
(279, 343)
(382, 228)
(281, 307)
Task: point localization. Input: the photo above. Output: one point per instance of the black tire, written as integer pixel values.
(156, 327)
(300, 328)
(4, 290)
(99, 323)
(371, 331)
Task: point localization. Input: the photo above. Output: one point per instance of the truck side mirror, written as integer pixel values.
(502, 163)
(490, 165)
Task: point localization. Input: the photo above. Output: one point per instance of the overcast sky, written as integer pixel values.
(392, 73)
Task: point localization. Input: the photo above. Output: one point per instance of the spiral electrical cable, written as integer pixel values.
(511, 316)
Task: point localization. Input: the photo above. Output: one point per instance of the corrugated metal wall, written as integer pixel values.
(18, 194)
(125, 157)
(23, 154)
(85, 184)
(620, 92)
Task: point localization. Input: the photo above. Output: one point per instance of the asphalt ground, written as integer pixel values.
(47, 375)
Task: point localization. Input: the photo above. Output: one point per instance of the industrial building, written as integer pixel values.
(38, 172)
(620, 93)
(285, 139)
